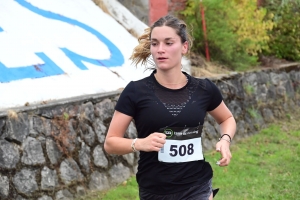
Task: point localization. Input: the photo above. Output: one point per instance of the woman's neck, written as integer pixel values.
(172, 80)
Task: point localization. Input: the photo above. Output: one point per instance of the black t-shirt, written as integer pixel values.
(152, 107)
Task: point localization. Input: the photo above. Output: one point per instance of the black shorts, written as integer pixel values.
(198, 192)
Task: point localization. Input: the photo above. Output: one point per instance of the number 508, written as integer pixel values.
(182, 150)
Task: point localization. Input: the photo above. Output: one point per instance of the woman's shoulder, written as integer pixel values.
(203, 82)
(134, 85)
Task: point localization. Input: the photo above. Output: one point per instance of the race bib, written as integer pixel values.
(182, 145)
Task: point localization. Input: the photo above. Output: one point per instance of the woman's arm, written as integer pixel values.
(227, 123)
(115, 143)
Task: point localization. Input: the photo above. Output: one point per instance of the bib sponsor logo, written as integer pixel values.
(169, 132)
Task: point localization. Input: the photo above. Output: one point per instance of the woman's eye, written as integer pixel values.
(153, 44)
(169, 43)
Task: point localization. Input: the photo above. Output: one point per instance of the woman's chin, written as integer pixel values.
(164, 67)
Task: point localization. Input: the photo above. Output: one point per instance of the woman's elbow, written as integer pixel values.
(107, 147)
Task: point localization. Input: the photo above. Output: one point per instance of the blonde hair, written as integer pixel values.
(141, 52)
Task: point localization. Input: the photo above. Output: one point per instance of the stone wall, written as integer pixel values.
(55, 150)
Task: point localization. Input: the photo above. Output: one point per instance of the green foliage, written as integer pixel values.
(288, 116)
(220, 37)
(253, 113)
(236, 30)
(252, 26)
(66, 116)
(249, 89)
(285, 37)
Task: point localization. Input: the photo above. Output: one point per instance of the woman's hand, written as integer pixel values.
(154, 142)
(223, 147)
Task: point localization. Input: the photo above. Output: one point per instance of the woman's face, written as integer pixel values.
(166, 48)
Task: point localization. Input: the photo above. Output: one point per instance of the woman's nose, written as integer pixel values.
(160, 48)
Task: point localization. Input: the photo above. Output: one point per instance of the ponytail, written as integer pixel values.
(142, 52)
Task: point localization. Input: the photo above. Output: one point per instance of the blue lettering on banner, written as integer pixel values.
(49, 68)
(37, 71)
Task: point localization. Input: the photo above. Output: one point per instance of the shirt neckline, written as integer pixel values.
(166, 88)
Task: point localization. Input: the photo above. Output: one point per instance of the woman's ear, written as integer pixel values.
(185, 47)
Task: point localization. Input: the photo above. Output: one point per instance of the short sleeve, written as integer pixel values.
(216, 96)
(126, 103)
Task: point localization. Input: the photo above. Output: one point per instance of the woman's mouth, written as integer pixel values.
(161, 58)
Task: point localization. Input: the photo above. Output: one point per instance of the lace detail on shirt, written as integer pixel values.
(175, 100)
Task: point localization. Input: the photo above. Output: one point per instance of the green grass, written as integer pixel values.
(128, 190)
(264, 166)
(124, 192)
